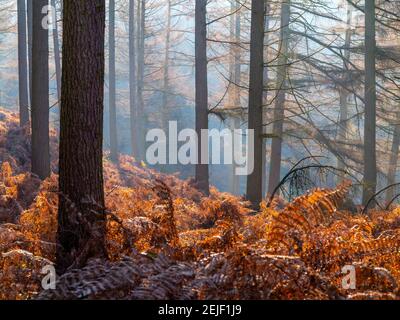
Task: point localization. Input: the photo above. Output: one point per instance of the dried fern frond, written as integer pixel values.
(163, 214)
(300, 217)
(96, 280)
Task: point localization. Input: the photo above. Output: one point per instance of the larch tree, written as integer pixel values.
(40, 93)
(370, 169)
(202, 172)
(266, 76)
(279, 110)
(23, 65)
(235, 79)
(165, 90)
(56, 48)
(238, 80)
(29, 9)
(343, 92)
(393, 159)
(141, 125)
(81, 135)
(132, 79)
(111, 83)
(254, 179)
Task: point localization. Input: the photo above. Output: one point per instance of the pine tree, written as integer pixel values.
(81, 134)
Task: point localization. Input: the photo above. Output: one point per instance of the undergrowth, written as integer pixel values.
(165, 241)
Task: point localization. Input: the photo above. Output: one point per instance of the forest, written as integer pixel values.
(199, 150)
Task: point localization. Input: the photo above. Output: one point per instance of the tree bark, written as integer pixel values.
(111, 83)
(56, 45)
(232, 50)
(22, 65)
(344, 94)
(279, 111)
(235, 77)
(235, 180)
(370, 171)
(132, 79)
(81, 136)
(265, 101)
(394, 157)
(254, 180)
(202, 172)
(29, 9)
(40, 94)
(140, 83)
(165, 94)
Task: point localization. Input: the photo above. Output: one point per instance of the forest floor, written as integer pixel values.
(166, 241)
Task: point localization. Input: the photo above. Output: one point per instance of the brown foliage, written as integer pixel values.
(165, 241)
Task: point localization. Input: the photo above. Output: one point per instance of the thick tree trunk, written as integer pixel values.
(279, 111)
(394, 157)
(22, 65)
(254, 180)
(111, 83)
(202, 173)
(81, 137)
(40, 94)
(57, 58)
(132, 79)
(370, 171)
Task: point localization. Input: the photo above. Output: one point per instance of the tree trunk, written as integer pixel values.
(235, 75)
(235, 181)
(254, 180)
(238, 80)
(22, 65)
(344, 94)
(202, 173)
(56, 45)
(111, 83)
(370, 171)
(394, 157)
(265, 101)
(232, 50)
(40, 94)
(165, 94)
(29, 9)
(81, 172)
(279, 111)
(132, 78)
(140, 101)
(165, 112)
